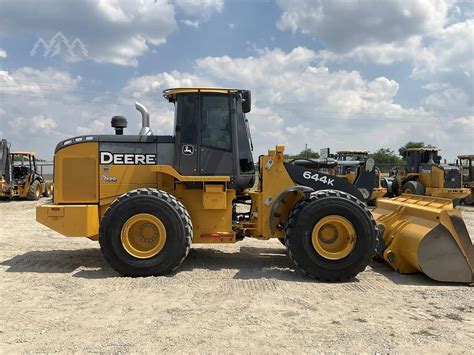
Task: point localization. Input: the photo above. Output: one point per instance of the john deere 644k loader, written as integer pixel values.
(147, 197)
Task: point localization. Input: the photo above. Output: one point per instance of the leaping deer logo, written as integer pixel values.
(57, 43)
(188, 150)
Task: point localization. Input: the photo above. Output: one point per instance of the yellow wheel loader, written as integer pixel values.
(19, 176)
(424, 174)
(146, 198)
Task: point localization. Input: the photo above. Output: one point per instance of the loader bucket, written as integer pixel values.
(425, 234)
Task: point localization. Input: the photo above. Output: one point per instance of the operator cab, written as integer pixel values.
(350, 160)
(467, 164)
(23, 165)
(421, 159)
(352, 155)
(212, 136)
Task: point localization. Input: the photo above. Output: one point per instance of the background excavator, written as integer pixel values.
(145, 198)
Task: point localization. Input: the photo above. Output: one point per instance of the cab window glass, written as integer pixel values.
(215, 122)
(188, 107)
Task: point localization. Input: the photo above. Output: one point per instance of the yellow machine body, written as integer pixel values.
(210, 207)
(434, 184)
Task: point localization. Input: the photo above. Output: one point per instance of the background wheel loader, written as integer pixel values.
(19, 176)
(467, 164)
(424, 174)
(146, 198)
(348, 159)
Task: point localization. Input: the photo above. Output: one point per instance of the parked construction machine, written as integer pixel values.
(348, 160)
(346, 165)
(19, 176)
(145, 198)
(424, 174)
(467, 164)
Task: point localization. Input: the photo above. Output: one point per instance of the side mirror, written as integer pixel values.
(246, 101)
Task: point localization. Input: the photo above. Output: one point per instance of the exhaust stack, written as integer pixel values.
(146, 130)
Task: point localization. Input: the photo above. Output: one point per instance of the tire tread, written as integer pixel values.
(170, 199)
(313, 198)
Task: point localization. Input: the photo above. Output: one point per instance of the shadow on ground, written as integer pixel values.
(250, 263)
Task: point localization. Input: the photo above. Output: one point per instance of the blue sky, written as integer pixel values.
(342, 73)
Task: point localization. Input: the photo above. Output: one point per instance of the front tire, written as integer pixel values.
(34, 193)
(414, 188)
(145, 232)
(331, 236)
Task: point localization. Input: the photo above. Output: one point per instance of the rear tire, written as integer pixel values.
(305, 217)
(414, 188)
(34, 193)
(157, 205)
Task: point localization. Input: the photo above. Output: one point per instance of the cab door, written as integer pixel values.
(216, 153)
(187, 134)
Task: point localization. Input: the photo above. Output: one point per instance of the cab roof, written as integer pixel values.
(466, 156)
(352, 152)
(24, 153)
(170, 94)
(423, 149)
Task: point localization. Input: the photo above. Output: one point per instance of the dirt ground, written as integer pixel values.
(58, 294)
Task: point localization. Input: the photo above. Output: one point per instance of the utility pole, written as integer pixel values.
(306, 150)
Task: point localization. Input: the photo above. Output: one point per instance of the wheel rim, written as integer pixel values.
(38, 192)
(143, 236)
(407, 191)
(333, 237)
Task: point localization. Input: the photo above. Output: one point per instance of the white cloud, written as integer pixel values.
(37, 82)
(447, 66)
(42, 107)
(450, 53)
(315, 105)
(344, 25)
(153, 85)
(94, 127)
(116, 31)
(200, 8)
(43, 123)
(435, 37)
(190, 23)
(18, 122)
(379, 53)
(3, 53)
